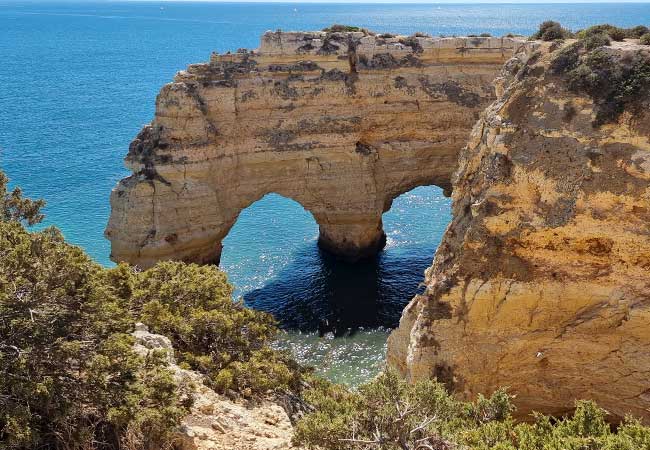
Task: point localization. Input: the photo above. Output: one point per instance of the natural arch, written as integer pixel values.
(340, 122)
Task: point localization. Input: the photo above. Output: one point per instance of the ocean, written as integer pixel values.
(79, 79)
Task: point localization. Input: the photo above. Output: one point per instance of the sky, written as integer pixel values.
(379, 1)
(415, 1)
(410, 1)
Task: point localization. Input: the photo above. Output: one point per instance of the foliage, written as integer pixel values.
(645, 39)
(614, 32)
(551, 31)
(638, 31)
(211, 333)
(596, 40)
(388, 414)
(14, 207)
(337, 28)
(68, 375)
(615, 83)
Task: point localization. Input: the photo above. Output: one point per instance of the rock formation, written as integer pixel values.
(215, 422)
(341, 122)
(542, 280)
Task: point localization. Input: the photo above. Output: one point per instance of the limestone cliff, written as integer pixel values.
(340, 122)
(214, 421)
(542, 280)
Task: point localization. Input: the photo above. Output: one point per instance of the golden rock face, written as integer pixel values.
(542, 280)
(340, 122)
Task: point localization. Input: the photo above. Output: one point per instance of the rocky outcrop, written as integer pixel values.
(542, 280)
(216, 422)
(340, 122)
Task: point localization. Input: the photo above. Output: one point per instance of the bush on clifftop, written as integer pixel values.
(615, 82)
(551, 31)
(211, 333)
(69, 377)
(387, 413)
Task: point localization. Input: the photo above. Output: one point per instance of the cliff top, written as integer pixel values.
(339, 42)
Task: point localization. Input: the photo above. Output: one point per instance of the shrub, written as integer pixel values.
(388, 413)
(613, 83)
(15, 207)
(211, 333)
(567, 58)
(638, 31)
(485, 35)
(645, 39)
(550, 31)
(596, 40)
(337, 28)
(70, 377)
(614, 32)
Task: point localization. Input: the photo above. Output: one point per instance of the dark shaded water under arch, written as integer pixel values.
(337, 315)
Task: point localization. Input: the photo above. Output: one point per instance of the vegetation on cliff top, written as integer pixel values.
(69, 377)
(551, 31)
(615, 81)
(389, 414)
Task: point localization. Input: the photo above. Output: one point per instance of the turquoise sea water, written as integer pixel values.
(79, 79)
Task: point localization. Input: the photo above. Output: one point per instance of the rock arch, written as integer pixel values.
(340, 122)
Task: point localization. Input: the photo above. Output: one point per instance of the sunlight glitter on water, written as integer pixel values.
(352, 359)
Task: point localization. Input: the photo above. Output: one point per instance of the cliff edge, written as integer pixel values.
(541, 282)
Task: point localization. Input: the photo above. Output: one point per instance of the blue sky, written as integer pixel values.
(418, 1)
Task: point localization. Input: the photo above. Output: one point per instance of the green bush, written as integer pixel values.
(337, 28)
(15, 207)
(551, 31)
(211, 333)
(614, 83)
(614, 32)
(388, 413)
(638, 31)
(645, 39)
(596, 40)
(70, 377)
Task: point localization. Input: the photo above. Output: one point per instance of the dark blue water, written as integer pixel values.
(79, 79)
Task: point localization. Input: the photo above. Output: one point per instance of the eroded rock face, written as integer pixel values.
(214, 421)
(340, 122)
(542, 280)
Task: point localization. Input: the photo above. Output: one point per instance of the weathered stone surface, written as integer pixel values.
(340, 122)
(216, 422)
(542, 280)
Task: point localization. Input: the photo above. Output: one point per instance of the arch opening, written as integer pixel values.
(271, 255)
(414, 225)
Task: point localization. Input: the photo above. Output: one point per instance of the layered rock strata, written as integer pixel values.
(340, 122)
(542, 280)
